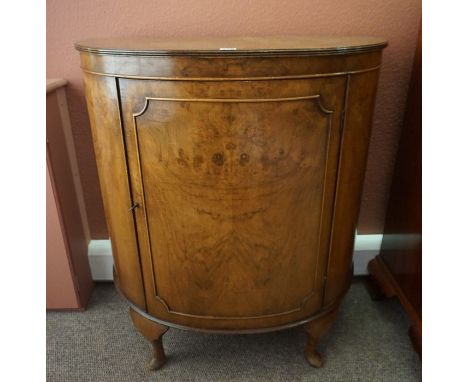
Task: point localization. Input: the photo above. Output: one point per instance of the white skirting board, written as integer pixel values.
(100, 260)
(100, 256)
(366, 247)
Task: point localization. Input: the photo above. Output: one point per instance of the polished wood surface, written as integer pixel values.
(232, 183)
(152, 332)
(398, 267)
(241, 166)
(101, 95)
(238, 45)
(315, 330)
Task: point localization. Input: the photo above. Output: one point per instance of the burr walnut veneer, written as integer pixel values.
(231, 172)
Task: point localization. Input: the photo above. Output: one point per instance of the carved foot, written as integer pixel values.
(315, 330)
(159, 358)
(313, 357)
(153, 332)
(416, 338)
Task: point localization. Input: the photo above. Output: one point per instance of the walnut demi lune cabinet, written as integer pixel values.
(231, 173)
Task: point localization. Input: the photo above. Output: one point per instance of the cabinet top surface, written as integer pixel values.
(232, 46)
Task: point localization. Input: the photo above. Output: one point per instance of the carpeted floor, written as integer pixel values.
(368, 342)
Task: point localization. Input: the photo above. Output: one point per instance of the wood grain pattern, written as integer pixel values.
(237, 179)
(217, 196)
(231, 68)
(103, 107)
(322, 125)
(360, 99)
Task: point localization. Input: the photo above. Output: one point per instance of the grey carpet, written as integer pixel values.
(368, 342)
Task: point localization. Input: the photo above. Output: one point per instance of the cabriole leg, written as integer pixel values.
(315, 330)
(153, 332)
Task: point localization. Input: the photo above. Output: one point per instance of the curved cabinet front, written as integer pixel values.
(236, 191)
(231, 182)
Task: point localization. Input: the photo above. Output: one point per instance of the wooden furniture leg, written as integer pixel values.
(415, 335)
(380, 276)
(315, 330)
(153, 332)
(388, 285)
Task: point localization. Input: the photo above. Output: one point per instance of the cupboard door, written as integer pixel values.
(235, 191)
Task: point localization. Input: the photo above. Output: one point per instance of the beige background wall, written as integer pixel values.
(396, 20)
